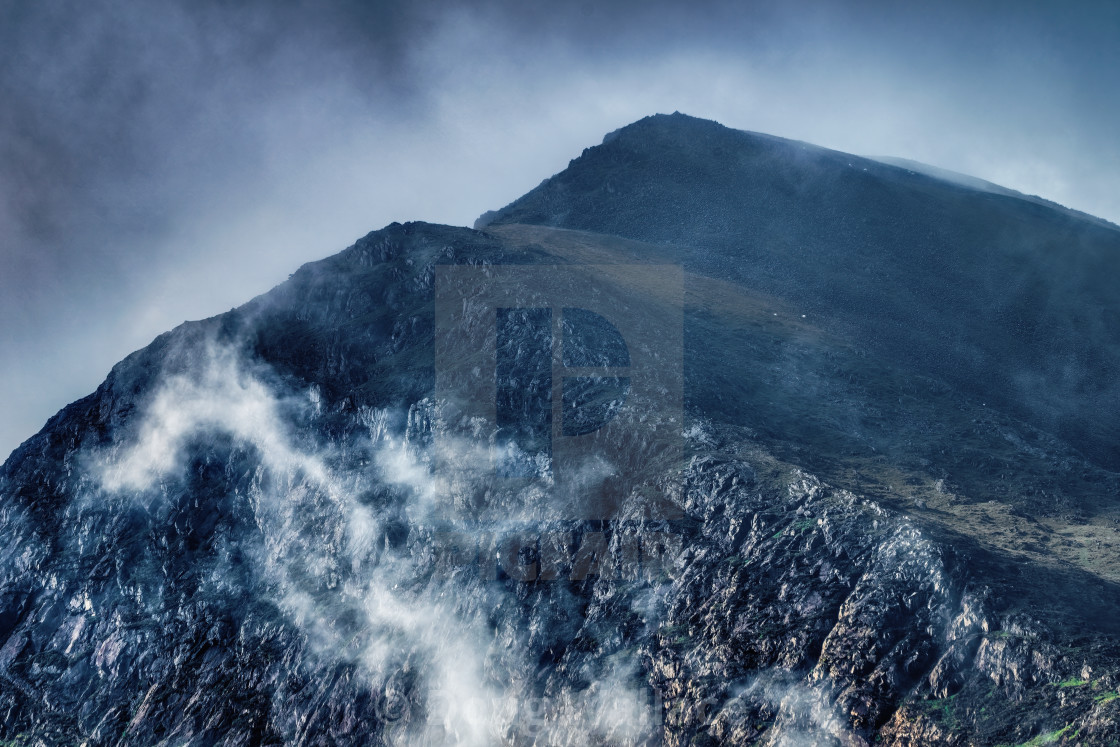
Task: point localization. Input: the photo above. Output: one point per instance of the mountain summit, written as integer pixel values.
(1008, 299)
(712, 438)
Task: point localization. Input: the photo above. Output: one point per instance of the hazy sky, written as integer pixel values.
(163, 160)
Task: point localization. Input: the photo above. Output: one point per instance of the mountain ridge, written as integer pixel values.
(983, 185)
(959, 179)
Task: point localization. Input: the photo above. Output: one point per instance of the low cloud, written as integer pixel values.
(446, 648)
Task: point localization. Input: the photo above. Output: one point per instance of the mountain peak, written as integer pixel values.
(886, 252)
(667, 123)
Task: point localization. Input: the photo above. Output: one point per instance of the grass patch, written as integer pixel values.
(942, 710)
(1073, 682)
(1049, 737)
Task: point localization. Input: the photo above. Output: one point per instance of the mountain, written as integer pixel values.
(1005, 298)
(712, 438)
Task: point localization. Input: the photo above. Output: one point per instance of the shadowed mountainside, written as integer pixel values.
(1003, 297)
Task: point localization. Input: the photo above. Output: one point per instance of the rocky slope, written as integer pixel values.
(267, 528)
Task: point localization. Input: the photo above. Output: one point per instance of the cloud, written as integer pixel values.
(220, 397)
(805, 714)
(399, 610)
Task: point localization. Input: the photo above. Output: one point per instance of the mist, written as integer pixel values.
(419, 625)
(167, 161)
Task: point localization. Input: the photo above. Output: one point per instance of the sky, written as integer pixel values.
(165, 160)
